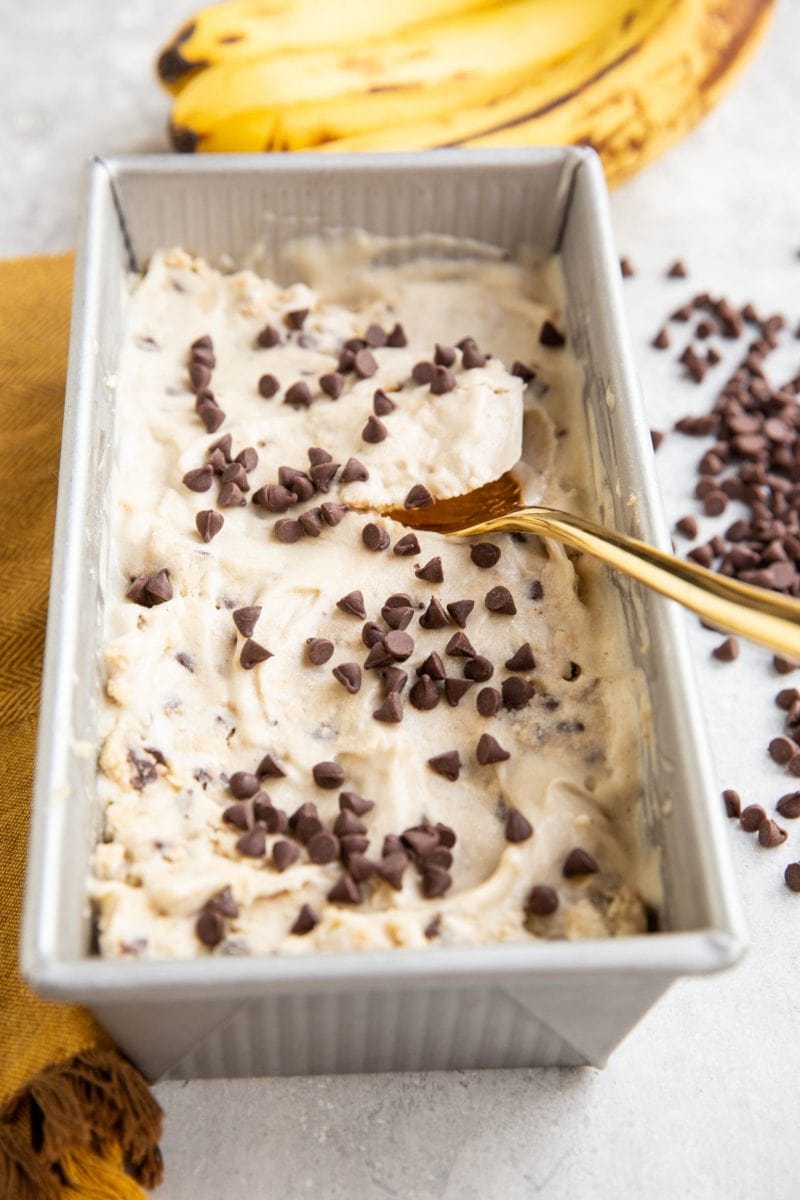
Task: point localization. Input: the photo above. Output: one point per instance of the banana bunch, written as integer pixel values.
(628, 77)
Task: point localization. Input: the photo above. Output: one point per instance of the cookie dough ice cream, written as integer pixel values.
(322, 730)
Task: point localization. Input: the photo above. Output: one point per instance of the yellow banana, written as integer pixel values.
(240, 29)
(654, 97)
(303, 99)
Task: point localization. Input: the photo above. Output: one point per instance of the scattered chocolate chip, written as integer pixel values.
(268, 386)
(333, 513)
(345, 891)
(223, 903)
(472, 358)
(485, 554)
(375, 336)
(210, 929)
(349, 676)
(231, 496)
(393, 680)
(542, 901)
(435, 881)
(209, 413)
(306, 920)
(516, 691)
(352, 802)
(209, 523)
(382, 404)
(399, 644)
(296, 319)
(733, 802)
(323, 847)
(235, 473)
(364, 364)
(770, 834)
(323, 475)
(447, 764)
(431, 571)
(268, 768)
(422, 372)
(579, 862)
(268, 337)
(499, 600)
(397, 338)
(311, 522)
(751, 817)
(407, 546)
(789, 806)
(550, 336)
(253, 844)
(158, 587)
(434, 616)
(784, 666)
(518, 828)
(459, 610)
(626, 268)
(298, 395)
(288, 530)
(252, 654)
(199, 479)
(391, 711)
(374, 537)
(245, 619)
(199, 376)
(240, 815)
(460, 646)
(522, 659)
(727, 651)
(353, 603)
(678, 270)
(353, 471)
(444, 356)
(374, 431)
(687, 526)
(432, 666)
(391, 868)
(284, 854)
(783, 749)
(418, 497)
(443, 381)
(332, 384)
(372, 633)
(526, 374)
(536, 589)
(225, 447)
(455, 689)
(478, 669)
(424, 695)
(328, 775)
(489, 750)
(661, 341)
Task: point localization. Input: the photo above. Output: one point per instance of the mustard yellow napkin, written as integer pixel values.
(76, 1118)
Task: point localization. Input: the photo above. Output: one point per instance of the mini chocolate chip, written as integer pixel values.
(158, 587)
(296, 319)
(268, 768)
(542, 901)
(579, 862)
(391, 711)
(391, 868)
(526, 374)
(424, 695)
(455, 689)
(447, 764)
(500, 600)
(306, 920)
(364, 364)
(332, 384)
(550, 336)
(288, 530)
(268, 337)
(352, 802)
(346, 361)
(199, 479)
(518, 828)
(444, 356)
(231, 496)
(317, 455)
(435, 881)
(235, 473)
(434, 616)
(209, 523)
(245, 619)
(407, 546)
(333, 513)
(199, 376)
(345, 891)
(319, 650)
(422, 372)
(787, 697)
(733, 802)
(418, 497)
(353, 603)
(478, 669)
(397, 338)
(770, 834)
(443, 381)
(360, 868)
(782, 749)
(284, 854)
(268, 386)
(374, 537)
(253, 654)
(374, 431)
(248, 458)
(204, 342)
(792, 876)
(311, 522)
(253, 844)
(375, 336)
(751, 817)
(432, 666)
(678, 270)
(223, 903)
(353, 471)
(241, 815)
(472, 357)
(348, 823)
(323, 475)
(460, 646)
(516, 691)
(210, 414)
(323, 847)
(784, 666)
(399, 644)
(687, 526)
(298, 395)
(274, 497)
(382, 404)
(485, 554)
(349, 676)
(489, 750)
(459, 610)
(522, 659)
(789, 806)
(210, 929)
(393, 679)
(371, 634)
(536, 589)
(328, 775)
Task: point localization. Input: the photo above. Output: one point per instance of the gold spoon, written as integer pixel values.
(755, 613)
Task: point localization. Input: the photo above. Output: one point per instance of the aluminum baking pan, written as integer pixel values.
(508, 1005)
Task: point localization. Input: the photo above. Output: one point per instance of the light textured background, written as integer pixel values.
(703, 1100)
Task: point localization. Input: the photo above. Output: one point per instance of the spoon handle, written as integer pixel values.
(755, 613)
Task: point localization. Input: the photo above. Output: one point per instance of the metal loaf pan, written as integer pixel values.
(548, 1003)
